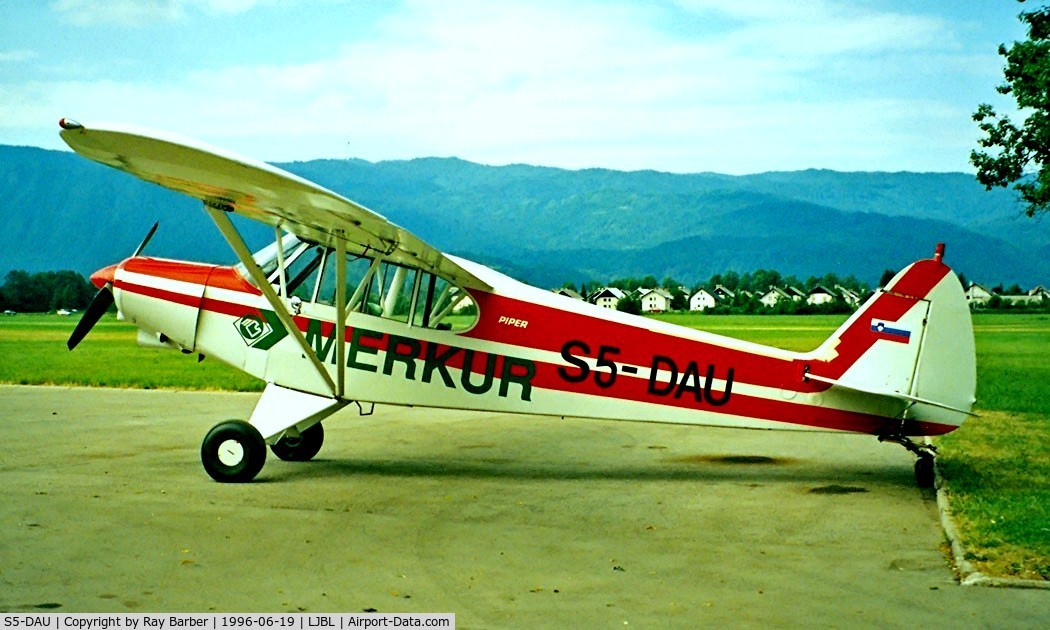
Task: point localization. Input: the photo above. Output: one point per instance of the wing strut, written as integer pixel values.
(233, 237)
(340, 313)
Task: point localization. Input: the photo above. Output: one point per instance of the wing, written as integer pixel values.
(258, 191)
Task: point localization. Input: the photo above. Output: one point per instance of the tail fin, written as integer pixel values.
(913, 341)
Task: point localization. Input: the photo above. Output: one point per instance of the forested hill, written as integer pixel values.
(547, 225)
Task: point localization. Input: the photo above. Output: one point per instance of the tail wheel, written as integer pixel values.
(302, 447)
(233, 452)
(924, 472)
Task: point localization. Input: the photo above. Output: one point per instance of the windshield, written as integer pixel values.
(266, 257)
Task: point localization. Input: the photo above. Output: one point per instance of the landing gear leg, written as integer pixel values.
(924, 469)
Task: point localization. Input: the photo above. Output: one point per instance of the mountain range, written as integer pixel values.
(548, 226)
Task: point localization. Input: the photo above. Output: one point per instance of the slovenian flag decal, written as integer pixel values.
(890, 331)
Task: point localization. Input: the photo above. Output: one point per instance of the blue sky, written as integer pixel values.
(681, 86)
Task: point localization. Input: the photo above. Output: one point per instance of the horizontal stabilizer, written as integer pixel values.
(876, 392)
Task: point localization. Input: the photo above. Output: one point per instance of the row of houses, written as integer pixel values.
(977, 295)
(659, 300)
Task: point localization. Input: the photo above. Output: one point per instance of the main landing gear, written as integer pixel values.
(290, 420)
(234, 451)
(924, 468)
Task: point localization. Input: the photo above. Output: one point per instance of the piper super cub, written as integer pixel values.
(345, 306)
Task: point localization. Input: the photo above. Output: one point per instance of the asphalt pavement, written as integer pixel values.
(506, 521)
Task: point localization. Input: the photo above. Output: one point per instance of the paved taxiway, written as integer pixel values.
(507, 521)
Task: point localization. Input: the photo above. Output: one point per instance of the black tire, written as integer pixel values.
(924, 473)
(302, 448)
(233, 452)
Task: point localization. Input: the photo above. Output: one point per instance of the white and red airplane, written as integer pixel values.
(345, 307)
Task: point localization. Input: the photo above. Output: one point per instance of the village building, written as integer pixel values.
(1034, 297)
(608, 297)
(568, 293)
(701, 300)
(976, 294)
(820, 294)
(723, 294)
(848, 296)
(655, 300)
(772, 296)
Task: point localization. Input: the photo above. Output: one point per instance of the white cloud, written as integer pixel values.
(141, 12)
(119, 12)
(567, 85)
(17, 56)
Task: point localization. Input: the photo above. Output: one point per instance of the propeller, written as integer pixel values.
(102, 300)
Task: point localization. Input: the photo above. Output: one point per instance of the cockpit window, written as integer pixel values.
(356, 269)
(302, 272)
(267, 258)
(391, 291)
(400, 293)
(443, 305)
(382, 289)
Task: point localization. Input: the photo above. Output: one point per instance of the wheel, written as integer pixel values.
(302, 448)
(233, 452)
(924, 474)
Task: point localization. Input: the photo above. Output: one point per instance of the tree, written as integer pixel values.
(630, 303)
(1016, 149)
(886, 276)
(26, 293)
(679, 299)
(45, 291)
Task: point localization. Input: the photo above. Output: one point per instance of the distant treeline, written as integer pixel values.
(44, 292)
(49, 291)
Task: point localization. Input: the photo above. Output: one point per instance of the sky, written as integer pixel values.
(726, 86)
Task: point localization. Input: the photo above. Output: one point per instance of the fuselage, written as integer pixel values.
(522, 350)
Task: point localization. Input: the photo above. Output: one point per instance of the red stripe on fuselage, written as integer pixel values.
(547, 328)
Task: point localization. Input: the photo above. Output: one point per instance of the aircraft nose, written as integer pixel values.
(103, 276)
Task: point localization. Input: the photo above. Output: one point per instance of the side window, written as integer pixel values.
(302, 273)
(356, 268)
(395, 292)
(443, 305)
(390, 294)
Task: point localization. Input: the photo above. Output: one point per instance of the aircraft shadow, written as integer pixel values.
(727, 469)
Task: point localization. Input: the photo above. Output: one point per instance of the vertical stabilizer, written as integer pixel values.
(913, 341)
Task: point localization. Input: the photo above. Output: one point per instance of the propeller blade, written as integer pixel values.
(142, 245)
(94, 312)
(103, 299)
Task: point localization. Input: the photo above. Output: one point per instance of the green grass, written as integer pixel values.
(34, 351)
(799, 333)
(997, 466)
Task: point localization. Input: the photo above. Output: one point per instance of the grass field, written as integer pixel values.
(34, 348)
(997, 466)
